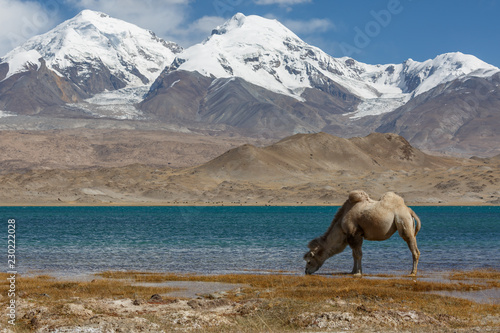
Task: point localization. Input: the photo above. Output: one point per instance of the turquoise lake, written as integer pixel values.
(209, 240)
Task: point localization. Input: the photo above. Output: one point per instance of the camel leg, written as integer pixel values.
(406, 231)
(412, 244)
(355, 242)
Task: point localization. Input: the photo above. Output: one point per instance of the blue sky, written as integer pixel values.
(376, 31)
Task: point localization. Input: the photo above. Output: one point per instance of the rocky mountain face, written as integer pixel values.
(252, 76)
(458, 117)
(37, 89)
(189, 97)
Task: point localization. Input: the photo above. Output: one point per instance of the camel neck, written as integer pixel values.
(335, 241)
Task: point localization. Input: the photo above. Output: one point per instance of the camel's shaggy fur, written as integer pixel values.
(363, 218)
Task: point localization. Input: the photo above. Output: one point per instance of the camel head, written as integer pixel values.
(314, 258)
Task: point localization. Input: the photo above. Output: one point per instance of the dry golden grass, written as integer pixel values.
(476, 274)
(275, 303)
(490, 277)
(49, 289)
(411, 292)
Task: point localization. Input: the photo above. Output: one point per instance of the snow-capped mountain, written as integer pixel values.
(253, 76)
(266, 53)
(96, 52)
(418, 77)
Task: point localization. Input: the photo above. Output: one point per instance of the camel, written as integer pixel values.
(363, 218)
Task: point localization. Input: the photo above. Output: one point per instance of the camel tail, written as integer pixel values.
(417, 221)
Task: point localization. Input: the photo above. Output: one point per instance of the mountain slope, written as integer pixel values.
(37, 89)
(192, 98)
(458, 117)
(176, 96)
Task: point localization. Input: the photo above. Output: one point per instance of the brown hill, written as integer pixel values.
(301, 169)
(495, 158)
(304, 155)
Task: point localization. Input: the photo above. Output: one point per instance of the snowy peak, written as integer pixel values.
(266, 53)
(401, 82)
(93, 41)
(444, 68)
(235, 22)
(413, 77)
(255, 25)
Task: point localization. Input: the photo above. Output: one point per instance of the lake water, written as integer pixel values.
(209, 240)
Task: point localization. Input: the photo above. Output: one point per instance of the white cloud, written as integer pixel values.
(169, 19)
(196, 31)
(310, 31)
(310, 26)
(281, 2)
(305, 27)
(20, 20)
(160, 16)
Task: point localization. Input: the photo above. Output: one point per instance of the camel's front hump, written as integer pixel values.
(376, 222)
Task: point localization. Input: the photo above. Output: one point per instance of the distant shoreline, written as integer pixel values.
(260, 204)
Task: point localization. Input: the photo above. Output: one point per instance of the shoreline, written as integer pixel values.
(230, 204)
(444, 276)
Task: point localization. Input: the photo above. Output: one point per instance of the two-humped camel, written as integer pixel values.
(363, 218)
